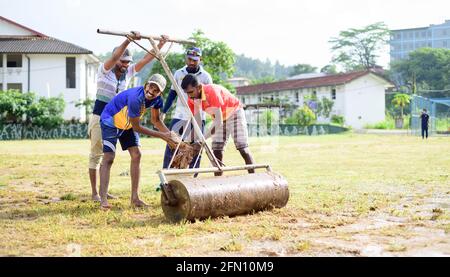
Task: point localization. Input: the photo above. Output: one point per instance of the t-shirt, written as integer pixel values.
(109, 86)
(216, 96)
(425, 117)
(204, 78)
(128, 104)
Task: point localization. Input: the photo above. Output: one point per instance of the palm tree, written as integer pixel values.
(400, 101)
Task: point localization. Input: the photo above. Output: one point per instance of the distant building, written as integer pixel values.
(239, 81)
(407, 40)
(32, 61)
(358, 96)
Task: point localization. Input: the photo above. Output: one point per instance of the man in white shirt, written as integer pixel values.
(181, 114)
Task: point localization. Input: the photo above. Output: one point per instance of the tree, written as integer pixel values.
(358, 48)
(324, 107)
(329, 69)
(218, 58)
(174, 61)
(302, 69)
(264, 80)
(401, 100)
(303, 116)
(424, 69)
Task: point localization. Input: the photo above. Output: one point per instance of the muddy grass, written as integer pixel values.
(351, 195)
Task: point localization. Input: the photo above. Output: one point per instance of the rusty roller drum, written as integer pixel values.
(200, 198)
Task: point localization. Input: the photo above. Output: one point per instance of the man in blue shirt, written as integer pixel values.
(120, 120)
(425, 119)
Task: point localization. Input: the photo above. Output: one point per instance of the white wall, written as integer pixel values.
(8, 29)
(364, 101)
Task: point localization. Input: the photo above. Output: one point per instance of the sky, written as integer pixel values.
(289, 31)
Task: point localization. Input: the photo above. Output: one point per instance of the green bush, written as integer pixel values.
(304, 116)
(27, 108)
(338, 119)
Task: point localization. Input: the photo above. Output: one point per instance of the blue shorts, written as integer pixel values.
(128, 138)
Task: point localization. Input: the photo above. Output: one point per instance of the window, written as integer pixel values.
(297, 97)
(243, 100)
(16, 86)
(1, 60)
(70, 72)
(1, 86)
(315, 93)
(333, 94)
(14, 60)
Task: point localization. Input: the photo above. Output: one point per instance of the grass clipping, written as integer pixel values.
(185, 152)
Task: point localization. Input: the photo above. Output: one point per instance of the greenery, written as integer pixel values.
(255, 69)
(303, 116)
(359, 48)
(302, 69)
(27, 108)
(217, 57)
(401, 100)
(329, 69)
(335, 185)
(338, 119)
(174, 61)
(425, 70)
(389, 123)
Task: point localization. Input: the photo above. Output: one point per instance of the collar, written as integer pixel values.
(203, 94)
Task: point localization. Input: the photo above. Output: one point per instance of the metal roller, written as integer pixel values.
(200, 198)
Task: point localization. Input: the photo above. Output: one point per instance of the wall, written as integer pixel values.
(364, 101)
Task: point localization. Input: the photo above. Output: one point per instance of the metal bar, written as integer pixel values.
(179, 92)
(178, 145)
(124, 34)
(212, 169)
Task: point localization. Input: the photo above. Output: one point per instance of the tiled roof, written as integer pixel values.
(38, 45)
(331, 80)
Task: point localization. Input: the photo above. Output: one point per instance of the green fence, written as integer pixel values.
(18, 132)
(79, 131)
(293, 130)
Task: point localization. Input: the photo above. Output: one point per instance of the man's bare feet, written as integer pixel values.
(139, 204)
(111, 196)
(105, 205)
(95, 198)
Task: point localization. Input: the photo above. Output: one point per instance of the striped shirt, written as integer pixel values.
(108, 85)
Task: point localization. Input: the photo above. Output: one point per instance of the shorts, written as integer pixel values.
(128, 138)
(236, 126)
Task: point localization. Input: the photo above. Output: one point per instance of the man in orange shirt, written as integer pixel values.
(228, 114)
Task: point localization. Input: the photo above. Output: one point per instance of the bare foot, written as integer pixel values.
(111, 196)
(104, 205)
(139, 204)
(95, 198)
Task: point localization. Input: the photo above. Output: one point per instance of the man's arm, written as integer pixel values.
(109, 64)
(157, 122)
(149, 57)
(137, 127)
(169, 101)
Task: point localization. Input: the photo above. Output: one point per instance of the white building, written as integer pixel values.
(31, 61)
(358, 96)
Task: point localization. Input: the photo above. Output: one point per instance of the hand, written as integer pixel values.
(135, 35)
(162, 41)
(162, 116)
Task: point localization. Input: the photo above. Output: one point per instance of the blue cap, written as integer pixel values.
(194, 53)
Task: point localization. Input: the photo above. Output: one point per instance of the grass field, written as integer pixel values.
(351, 195)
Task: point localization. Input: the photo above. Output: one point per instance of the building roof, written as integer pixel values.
(36, 43)
(330, 80)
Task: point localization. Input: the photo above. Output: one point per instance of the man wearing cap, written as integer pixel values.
(181, 113)
(228, 114)
(113, 77)
(120, 120)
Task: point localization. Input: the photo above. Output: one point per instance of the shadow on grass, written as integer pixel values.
(90, 211)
